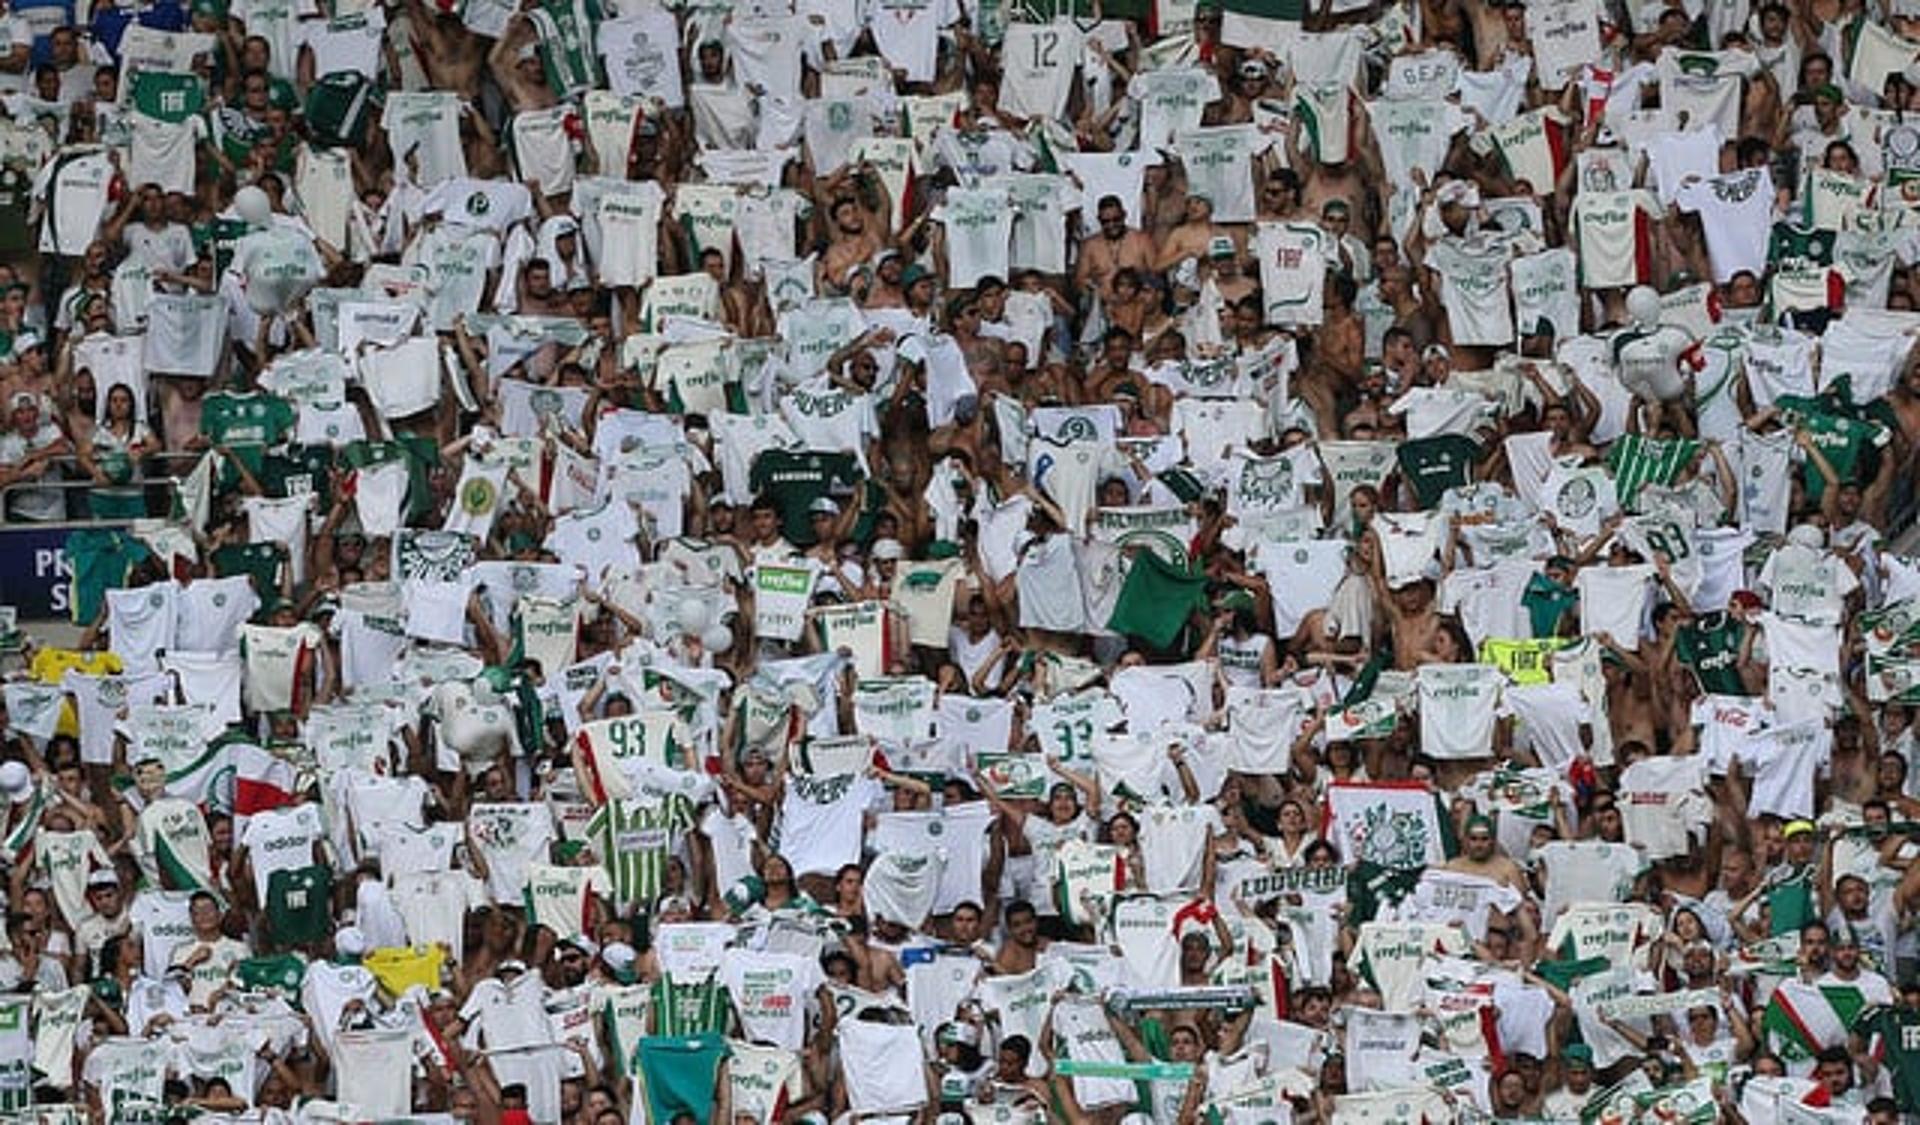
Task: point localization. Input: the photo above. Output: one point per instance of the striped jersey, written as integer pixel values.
(1638, 460)
(699, 1008)
(634, 838)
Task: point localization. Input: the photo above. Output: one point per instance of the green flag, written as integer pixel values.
(1156, 600)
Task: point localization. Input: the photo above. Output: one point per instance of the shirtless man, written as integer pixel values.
(1234, 283)
(1346, 182)
(985, 355)
(515, 63)
(1021, 952)
(1115, 367)
(1339, 355)
(1279, 199)
(856, 228)
(1410, 615)
(1905, 401)
(1112, 249)
(451, 55)
(1193, 237)
(1479, 856)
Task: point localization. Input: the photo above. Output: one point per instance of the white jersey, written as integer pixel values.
(1171, 100)
(1293, 270)
(140, 623)
(1173, 841)
(772, 993)
(979, 226)
(1614, 600)
(1459, 704)
(1736, 211)
(542, 147)
(642, 55)
(72, 188)
(280, 665)
(1219, 165)
(166, 153)
(908, 35)
(323, 182)
(1039, 64)
(280, 840)
(425, 127)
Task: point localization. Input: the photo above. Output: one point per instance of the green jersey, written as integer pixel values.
(167, 96)
(338, 108)
(679, 1074)
(690, 1009)
(1637, 460)
(1434, 464)
(1547, 602)
(277, 972)
(221, 235)
(1851, 445)
(1899, 1032)
(1710, 646)
(256, 418)
(793, 481)
(101, 559)
(566, 29)
(1798, 247)
(634, 839)
(299, 904)
(301, 470)
(260, 562)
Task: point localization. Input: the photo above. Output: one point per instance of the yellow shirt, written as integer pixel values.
(51, 665)
(400, 969)
(1523, 661)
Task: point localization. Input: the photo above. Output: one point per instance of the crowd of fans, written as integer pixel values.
(908, 561)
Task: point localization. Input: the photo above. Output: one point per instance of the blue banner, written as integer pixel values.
(34, 572)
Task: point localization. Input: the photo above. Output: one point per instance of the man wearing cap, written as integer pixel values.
(1849, 965)
(1576, 1073)
(1479, 856)
(28, 449)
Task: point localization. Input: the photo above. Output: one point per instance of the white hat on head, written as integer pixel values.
(16, 781)
(350, 942)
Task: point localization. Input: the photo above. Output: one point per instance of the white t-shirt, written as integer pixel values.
(1459, 704)
(1736, 210)
(1173, 842)
(1475, 291)
(979, 226)
(1614, 600)
(426, 126)
(1171, 100)
(1039, 63)
(280, 840)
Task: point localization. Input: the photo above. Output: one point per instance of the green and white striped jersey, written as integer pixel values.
(633, 838)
